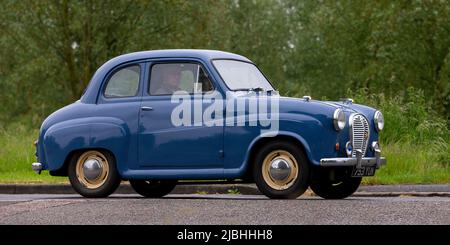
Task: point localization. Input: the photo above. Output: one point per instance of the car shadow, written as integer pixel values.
(204, 197)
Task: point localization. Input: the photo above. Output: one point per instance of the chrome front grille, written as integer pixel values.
(359, 133)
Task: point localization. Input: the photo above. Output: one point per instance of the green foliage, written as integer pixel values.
(371, 51)
(410, 121)
(409, 116)
(321, 47)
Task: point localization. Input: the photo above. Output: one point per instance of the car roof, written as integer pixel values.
(91, 92)
(177, 53)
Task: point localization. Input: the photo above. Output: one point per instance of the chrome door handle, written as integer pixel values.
(146, 108)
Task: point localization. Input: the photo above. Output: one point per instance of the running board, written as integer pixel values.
(208, 182)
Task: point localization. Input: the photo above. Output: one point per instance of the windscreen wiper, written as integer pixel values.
(257, 89)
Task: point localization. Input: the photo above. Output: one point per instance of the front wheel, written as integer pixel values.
(337, 188)
(93, 173)
(153, 188)
(281, 170)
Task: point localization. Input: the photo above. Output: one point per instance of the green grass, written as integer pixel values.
(407, 163)
(16, 156)
(411, 164)
(233, 191)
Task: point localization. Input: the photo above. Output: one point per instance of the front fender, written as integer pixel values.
(289, 134)
(314, 133)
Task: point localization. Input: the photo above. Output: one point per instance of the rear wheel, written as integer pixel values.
(93, 173)
(331, 184)
(281, 170)
(153, 188)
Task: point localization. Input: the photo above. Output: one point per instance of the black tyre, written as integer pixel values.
(93, 173)
(281, 170)
(342, 185)
(153, 188)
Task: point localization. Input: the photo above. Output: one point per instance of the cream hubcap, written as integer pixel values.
(92, 169)
(280, 169)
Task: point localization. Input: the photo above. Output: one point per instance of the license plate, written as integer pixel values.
(363, 171)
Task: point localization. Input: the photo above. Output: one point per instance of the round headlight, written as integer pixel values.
(339, 119)
(378, 120)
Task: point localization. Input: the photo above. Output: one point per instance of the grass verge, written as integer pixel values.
(410, 164)
(407, 163)
(16, 156)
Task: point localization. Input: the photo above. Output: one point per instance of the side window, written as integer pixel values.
(123, 83)
(165, 79)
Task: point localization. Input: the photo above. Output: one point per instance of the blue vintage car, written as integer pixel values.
(148, 117)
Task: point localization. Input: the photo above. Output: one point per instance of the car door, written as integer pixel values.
(164, 144)
(119, 101)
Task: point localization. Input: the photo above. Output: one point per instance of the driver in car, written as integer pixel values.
(171, 81)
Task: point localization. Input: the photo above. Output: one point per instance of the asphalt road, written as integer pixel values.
(221, 209)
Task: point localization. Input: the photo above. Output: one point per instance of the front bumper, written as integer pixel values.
(352, 161)
(358, 161)
(37, 167)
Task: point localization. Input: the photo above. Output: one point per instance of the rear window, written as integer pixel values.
(123, 83)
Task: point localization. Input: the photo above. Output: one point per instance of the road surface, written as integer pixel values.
(186, 209)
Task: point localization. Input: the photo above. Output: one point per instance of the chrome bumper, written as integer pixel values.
(377, 161)
(37, 167)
